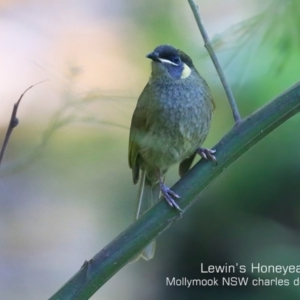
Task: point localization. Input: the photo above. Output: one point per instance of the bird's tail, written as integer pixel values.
(148, 196)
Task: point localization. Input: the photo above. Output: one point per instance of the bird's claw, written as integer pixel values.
(168, 195)
(207, 154)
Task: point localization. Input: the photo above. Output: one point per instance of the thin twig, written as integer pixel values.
(208, 46)
(13, 122)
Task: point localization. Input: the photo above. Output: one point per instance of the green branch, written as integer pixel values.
(94, 273)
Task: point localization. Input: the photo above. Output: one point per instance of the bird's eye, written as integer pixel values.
(175, 59)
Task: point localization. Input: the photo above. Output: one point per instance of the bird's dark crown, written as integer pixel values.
(169, 52)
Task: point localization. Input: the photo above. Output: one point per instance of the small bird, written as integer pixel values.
(169, 124)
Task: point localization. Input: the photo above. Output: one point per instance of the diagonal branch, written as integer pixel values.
(210, 50)
(94, 273)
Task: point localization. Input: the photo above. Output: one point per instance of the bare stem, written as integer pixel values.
(208, 46)
(13, 122)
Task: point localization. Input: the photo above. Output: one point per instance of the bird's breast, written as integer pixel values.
(178, 121)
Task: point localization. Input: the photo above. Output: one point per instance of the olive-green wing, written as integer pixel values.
(137, 129)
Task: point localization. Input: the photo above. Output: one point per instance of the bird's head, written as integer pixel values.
(171, 63)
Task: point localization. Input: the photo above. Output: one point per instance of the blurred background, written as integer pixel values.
(66, 188)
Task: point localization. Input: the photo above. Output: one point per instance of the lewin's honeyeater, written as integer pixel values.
(170, 122)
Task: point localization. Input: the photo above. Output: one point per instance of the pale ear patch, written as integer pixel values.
(186, 72)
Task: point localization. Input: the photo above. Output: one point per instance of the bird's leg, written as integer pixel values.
(207, 153)
(168, 193)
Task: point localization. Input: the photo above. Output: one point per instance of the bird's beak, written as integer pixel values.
(154, 56)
